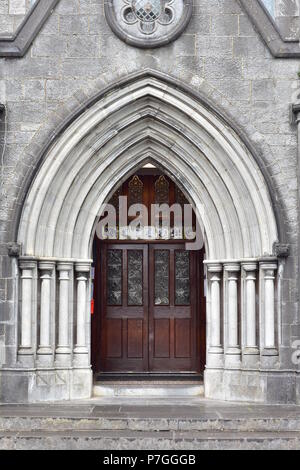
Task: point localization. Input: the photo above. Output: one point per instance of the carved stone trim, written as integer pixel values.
(268, 30)
(14, 250)
(17, 45)
(281, 250)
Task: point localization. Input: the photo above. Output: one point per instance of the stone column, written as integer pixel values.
(250, 351)
(233, 351)
(250, 323)
(63, 350)
(45, 352)
(269, 341)
(81, 349)
(215, 349)
(26, 349)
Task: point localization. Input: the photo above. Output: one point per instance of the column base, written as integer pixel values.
(269, 359)
(81, 356)
(63, 356)
(26, 357)
(233, 358)
(215, 358)
(45, 360)
(250, 357)
(251, 351)
(269, 352)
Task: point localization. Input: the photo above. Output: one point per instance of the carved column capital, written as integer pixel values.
(14, 249)
(214, 267)
(82, 268)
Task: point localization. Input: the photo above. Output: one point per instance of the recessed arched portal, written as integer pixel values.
(147, 117)
(148, 306)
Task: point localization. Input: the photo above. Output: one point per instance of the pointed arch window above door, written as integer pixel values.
(135, 191)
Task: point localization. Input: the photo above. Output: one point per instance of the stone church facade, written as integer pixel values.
(208, 92)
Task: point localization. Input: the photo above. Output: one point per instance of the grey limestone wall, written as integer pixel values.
(220, 55)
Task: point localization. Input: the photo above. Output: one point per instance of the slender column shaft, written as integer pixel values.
(215, 348)
(250, 346)
(27, 272)
(269, 307)
(251, 313)
(81, 349)
(81, 305)
(63, 349)
(46, 270)
(215, 311)
(250, 307)
(232, 312)
(269, 310)
(233, 350)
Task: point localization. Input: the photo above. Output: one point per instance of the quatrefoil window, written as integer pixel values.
(147, 12)
(148, 23)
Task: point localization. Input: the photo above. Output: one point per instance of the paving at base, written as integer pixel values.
(138, 423)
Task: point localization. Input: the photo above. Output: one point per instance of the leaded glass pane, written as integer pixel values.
(161, 277)
(182, 278)
(135, 277)
(114, 277)
(147, 10)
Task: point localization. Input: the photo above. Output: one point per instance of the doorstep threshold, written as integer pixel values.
(134, 377)
(146, 389)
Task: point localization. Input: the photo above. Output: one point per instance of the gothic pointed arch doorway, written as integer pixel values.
(104, 142)
(149, 316)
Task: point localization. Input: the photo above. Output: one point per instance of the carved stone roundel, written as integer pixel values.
(148, 23)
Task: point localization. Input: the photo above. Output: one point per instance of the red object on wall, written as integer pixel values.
(92, 306)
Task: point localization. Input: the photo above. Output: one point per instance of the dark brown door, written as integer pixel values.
(172, 309)
(148, 309)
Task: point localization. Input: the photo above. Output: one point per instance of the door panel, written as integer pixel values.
(172, 309)
(124, 308)
(114, 338)
(161, 338)
(135, 339)
(183, 338)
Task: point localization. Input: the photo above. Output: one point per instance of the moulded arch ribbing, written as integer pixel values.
(107, 141)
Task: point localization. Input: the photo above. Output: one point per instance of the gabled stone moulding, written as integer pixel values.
(17, 44)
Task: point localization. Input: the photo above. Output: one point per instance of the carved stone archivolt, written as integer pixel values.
(148, 23)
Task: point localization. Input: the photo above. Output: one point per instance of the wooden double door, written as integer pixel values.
(150, 312)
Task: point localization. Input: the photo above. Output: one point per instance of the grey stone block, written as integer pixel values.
(14, 387)
(281, 389)
(74, 25)
(263, 90)
(49, 46)
(248, 47)
(207, 46)
(224, 25)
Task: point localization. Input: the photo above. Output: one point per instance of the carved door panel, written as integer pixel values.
(124, 319)
(173, 323)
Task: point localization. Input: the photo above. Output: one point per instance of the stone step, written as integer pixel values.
(148, 390)
(106, 423)
(147, 440)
